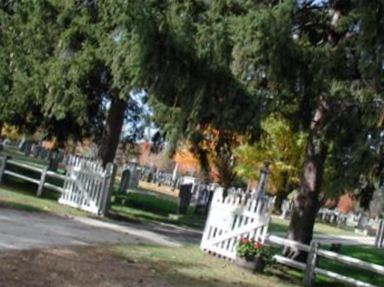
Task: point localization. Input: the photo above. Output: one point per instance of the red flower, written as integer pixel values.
(244, 240)
(258, 245)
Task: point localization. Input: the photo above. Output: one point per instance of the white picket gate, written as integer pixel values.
(233, 217)
(88, 185)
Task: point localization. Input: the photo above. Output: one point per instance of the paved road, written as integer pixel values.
(24, 230)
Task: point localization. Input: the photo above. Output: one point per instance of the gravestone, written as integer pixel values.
(351, 220)
(27, 148)
(49, 154)
(202, 198)
(36, 150)
(149, 176)
(362, 225)
(286, 208)
(60, 156)
(54, 161)
(135, 176)
(125, 178)
(21, 144)
(185, 195)
(43, 153)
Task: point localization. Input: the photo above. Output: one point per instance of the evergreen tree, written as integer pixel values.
(305, 57)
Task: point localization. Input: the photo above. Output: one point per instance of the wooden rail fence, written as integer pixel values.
(310, 269)
(86, 184)
(5, 169)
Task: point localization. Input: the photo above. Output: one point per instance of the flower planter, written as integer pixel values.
(257, 265)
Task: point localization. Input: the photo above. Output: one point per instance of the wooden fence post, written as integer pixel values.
(109, 181)
(42, 181)
(309, 275)
(379, 242)
(3, 162)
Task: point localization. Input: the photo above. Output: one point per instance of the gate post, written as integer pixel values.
(42, 181)
(109, 181)
(3, 162)
(379, 241)
(310, 275)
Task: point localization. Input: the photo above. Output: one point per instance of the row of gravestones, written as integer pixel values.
(132, 173)
(190, 189)
(358, 220)
(161, 178)
(36, 150)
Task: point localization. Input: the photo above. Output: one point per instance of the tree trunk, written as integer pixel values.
(1, 127)
(281, 194)
(306, 202)
(112, 130)
(278, 203)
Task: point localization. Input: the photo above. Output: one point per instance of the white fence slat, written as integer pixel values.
(235, 232)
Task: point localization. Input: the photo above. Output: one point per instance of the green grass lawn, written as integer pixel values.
(147, 206)
(365, 253)
(20, 195)
(281, 225)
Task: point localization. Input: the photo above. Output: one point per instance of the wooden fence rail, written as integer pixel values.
(6, 163)
(310, 269)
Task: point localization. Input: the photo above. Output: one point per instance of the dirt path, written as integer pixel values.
(80, 266)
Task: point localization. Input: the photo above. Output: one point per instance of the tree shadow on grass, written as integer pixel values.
(26, 188)
(20, 206)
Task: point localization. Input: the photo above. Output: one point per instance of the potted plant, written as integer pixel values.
(252, 255)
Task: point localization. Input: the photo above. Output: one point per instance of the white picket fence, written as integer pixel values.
(88, 185)
(233, 217)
